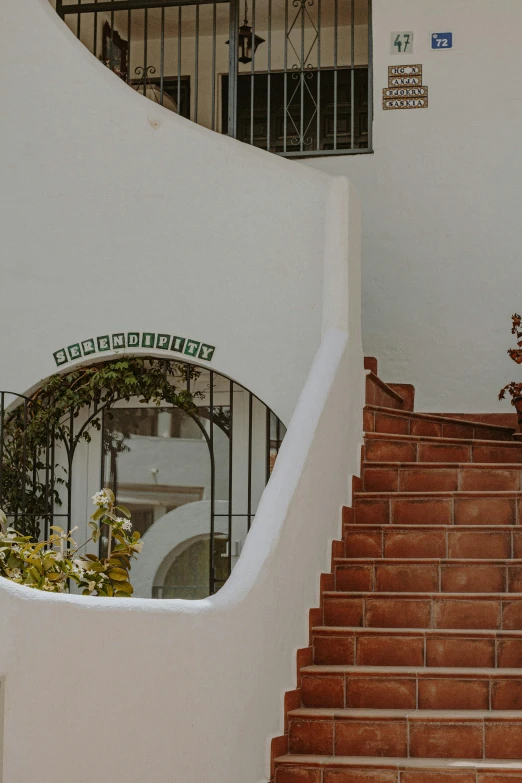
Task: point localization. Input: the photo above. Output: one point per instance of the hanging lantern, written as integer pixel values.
(247, 43)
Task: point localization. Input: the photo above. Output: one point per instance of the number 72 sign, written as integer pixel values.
(440, 41)
(402, 43)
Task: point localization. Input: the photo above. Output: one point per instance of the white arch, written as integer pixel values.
(162, 541)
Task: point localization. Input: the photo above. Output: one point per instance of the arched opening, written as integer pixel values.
(190, 465)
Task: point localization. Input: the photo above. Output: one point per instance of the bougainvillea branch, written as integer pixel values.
(514, 388)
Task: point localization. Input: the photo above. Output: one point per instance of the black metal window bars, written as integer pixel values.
(301, 85)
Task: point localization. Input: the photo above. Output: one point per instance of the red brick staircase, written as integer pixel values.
(414, 669)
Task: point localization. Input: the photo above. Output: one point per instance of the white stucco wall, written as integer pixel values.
(441, 205)
(193, 690)
(118, 215)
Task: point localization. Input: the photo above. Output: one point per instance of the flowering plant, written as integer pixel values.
(515, 387)
(51, 565)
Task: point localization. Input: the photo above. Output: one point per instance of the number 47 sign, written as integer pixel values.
(402, 43)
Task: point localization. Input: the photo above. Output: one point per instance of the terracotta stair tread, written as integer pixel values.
(353, 526)
(433, 439)
(502, 493)
(413, 671)
(440, 477)
(431, 594)
(414, 540)
(422, 466)
(382, 762)
(506, 561)
(342, 630)
(356, 713)
(436, 417)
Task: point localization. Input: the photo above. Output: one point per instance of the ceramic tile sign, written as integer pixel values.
(441, 42)
(126, 342)
(404, 71)
(405, 88)
(401, 43)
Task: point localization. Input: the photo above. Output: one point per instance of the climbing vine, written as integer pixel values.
(31, 474)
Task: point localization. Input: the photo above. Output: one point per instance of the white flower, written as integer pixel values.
(91, 586)
(101, 498)
(91, 573)
(127, 525)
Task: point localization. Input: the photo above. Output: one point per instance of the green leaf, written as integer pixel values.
(124, 510)
(118, 575)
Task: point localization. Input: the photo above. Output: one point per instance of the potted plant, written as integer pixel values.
(515, 389)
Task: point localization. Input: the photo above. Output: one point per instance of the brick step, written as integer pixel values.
(471, 734)
(378, 769)
(448, 575)
(438, 508)
(441, 477)
(402, 422)
(494, 611)
(334, 645)
(409, 687)
(380, 394)
(418, 448)
(442, 541)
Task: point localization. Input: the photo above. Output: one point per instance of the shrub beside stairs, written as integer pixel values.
(414, 669)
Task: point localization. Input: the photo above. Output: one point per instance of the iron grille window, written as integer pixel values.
(290, 76)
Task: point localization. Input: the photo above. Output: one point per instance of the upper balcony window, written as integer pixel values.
(289, 76)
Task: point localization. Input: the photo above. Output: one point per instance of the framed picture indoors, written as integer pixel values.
(115, 51)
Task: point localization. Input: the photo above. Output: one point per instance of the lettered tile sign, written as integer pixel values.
(401, 43)
(123, 341)
(405, 88)
(404, 70)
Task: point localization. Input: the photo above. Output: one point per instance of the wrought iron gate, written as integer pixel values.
(47, 475)
(290, 76)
